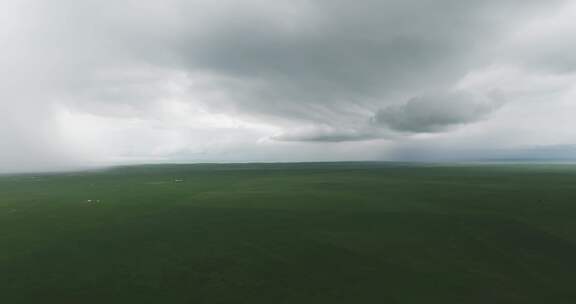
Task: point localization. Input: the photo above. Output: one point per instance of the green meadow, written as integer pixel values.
(291, 233)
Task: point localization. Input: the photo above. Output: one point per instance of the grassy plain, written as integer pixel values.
(291, 233)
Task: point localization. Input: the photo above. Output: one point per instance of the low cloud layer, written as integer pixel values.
(106, 82)
(438, 112)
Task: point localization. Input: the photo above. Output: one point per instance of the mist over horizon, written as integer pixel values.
(88, 84)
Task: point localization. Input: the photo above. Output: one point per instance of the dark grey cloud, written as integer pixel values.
(348, 59)
(438, 112)
(331, 134)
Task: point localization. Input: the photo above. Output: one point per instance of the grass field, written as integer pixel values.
(291, 233)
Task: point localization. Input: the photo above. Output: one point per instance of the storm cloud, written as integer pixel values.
(105, 82)
(438, 112)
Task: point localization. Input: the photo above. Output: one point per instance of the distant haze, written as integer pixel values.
(102, 82)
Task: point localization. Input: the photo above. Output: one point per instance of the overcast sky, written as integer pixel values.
(99, 82)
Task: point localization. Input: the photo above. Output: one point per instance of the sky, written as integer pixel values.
(107, 82)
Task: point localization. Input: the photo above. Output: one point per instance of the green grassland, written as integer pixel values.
(291, 233)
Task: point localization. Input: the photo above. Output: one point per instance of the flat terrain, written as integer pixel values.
(291, 233)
